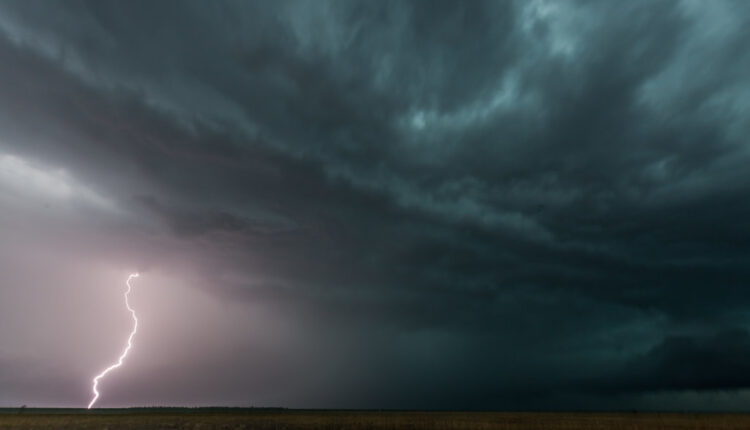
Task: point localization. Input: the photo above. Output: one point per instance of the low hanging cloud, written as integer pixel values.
(484, 204)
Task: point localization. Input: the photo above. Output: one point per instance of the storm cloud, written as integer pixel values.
(408, 204)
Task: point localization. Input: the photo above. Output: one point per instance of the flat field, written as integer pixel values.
(125, 419)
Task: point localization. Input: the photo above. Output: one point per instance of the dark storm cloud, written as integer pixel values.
(483, 203)
(696, 362)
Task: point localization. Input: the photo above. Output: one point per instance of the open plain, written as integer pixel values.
(126, 419)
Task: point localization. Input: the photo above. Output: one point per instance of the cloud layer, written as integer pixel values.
(377, 204)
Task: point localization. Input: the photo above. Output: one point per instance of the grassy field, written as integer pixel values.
(329, 420)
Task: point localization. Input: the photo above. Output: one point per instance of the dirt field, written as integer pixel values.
(329, 420)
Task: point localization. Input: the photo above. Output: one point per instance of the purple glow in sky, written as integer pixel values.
(359, 204)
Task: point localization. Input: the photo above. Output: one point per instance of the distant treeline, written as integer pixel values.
(144, 410)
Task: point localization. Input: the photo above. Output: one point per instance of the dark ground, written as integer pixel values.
(267, 419)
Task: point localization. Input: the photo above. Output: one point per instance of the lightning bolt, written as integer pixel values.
(127, 348)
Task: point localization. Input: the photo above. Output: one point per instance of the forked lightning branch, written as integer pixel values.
(127, 347)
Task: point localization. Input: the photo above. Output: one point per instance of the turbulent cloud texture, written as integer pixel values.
(409, 204)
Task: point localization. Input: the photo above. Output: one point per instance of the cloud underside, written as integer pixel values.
(499, 203)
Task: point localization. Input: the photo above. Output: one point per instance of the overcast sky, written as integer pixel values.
(461, 204)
